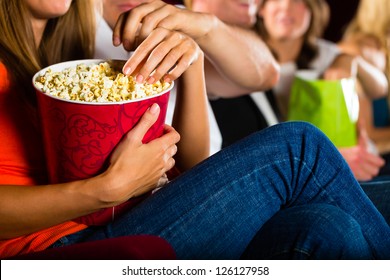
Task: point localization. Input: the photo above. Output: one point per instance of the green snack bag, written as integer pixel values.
(331, 105)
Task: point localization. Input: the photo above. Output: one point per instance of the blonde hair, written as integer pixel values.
(373, 19)
(188, 4)
(67, 37)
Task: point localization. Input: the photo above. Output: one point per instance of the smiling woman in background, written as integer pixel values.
(292, 29)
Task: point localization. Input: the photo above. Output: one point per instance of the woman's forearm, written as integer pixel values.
(191, 117)
(26, 209)
(373, 80)
(240, 57)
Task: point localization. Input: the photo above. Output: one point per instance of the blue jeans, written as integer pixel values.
(379, 193)
(315, 231)
(214, 210)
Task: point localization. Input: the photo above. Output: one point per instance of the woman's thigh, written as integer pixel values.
(215, 209)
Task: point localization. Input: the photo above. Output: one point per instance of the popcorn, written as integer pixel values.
(95, 83)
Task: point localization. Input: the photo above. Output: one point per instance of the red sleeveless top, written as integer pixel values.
(22, 163)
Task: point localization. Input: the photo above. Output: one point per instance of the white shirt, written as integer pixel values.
(327, 52)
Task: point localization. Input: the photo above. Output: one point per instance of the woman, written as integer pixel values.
(368, 36)
(20, 120)
(287, 165)
(292, 30)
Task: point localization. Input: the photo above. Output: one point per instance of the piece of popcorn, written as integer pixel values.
(95, 83)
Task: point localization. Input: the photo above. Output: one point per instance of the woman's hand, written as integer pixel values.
(135, 168)
(135, 25)
(159, 51)
(372, 79)
(344, 66)
(364, 164)
(164, 53)
(224, 65)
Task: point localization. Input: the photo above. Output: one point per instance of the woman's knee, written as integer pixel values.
(298, 133)
(314, 231)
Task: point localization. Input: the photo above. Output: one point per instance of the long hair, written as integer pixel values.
(187, 3)
(67, 37)
(373, 19)
(320, 14)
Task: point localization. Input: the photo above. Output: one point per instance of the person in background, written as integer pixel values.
(292, 30)
(235, 105)
(368, 36)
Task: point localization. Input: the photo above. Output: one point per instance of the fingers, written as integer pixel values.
(159, 52)
(134, 23)
(116, 34)
(168, 142)
(169, 160)
(152, 20)
(367, 171)
(371, 165)
(336, 74)
(164, 53)
(364, 165)
(170, 135)
(368, 166)
(146, 121)
(374, 160)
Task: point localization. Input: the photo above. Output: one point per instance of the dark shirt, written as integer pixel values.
(239, 117)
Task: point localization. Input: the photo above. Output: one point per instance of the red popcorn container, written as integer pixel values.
(79, 136)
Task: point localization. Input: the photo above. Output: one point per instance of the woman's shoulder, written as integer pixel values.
(326, 47)
(327, 52)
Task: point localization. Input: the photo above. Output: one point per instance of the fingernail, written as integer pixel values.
(151, 80)
(127, 70)
(167, 79)
(139, 78)
(126, 44)
(154, 108)
(116, 41)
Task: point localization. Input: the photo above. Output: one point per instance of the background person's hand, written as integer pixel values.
(364, 163)
(344, 66)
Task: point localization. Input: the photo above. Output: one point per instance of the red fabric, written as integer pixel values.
(21, 152)
(140, 247)
(22, 163)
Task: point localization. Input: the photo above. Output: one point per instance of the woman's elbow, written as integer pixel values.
(270, 76)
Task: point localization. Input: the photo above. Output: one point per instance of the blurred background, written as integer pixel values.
(341, 13)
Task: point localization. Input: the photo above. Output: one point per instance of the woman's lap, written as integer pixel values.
(215, 209)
